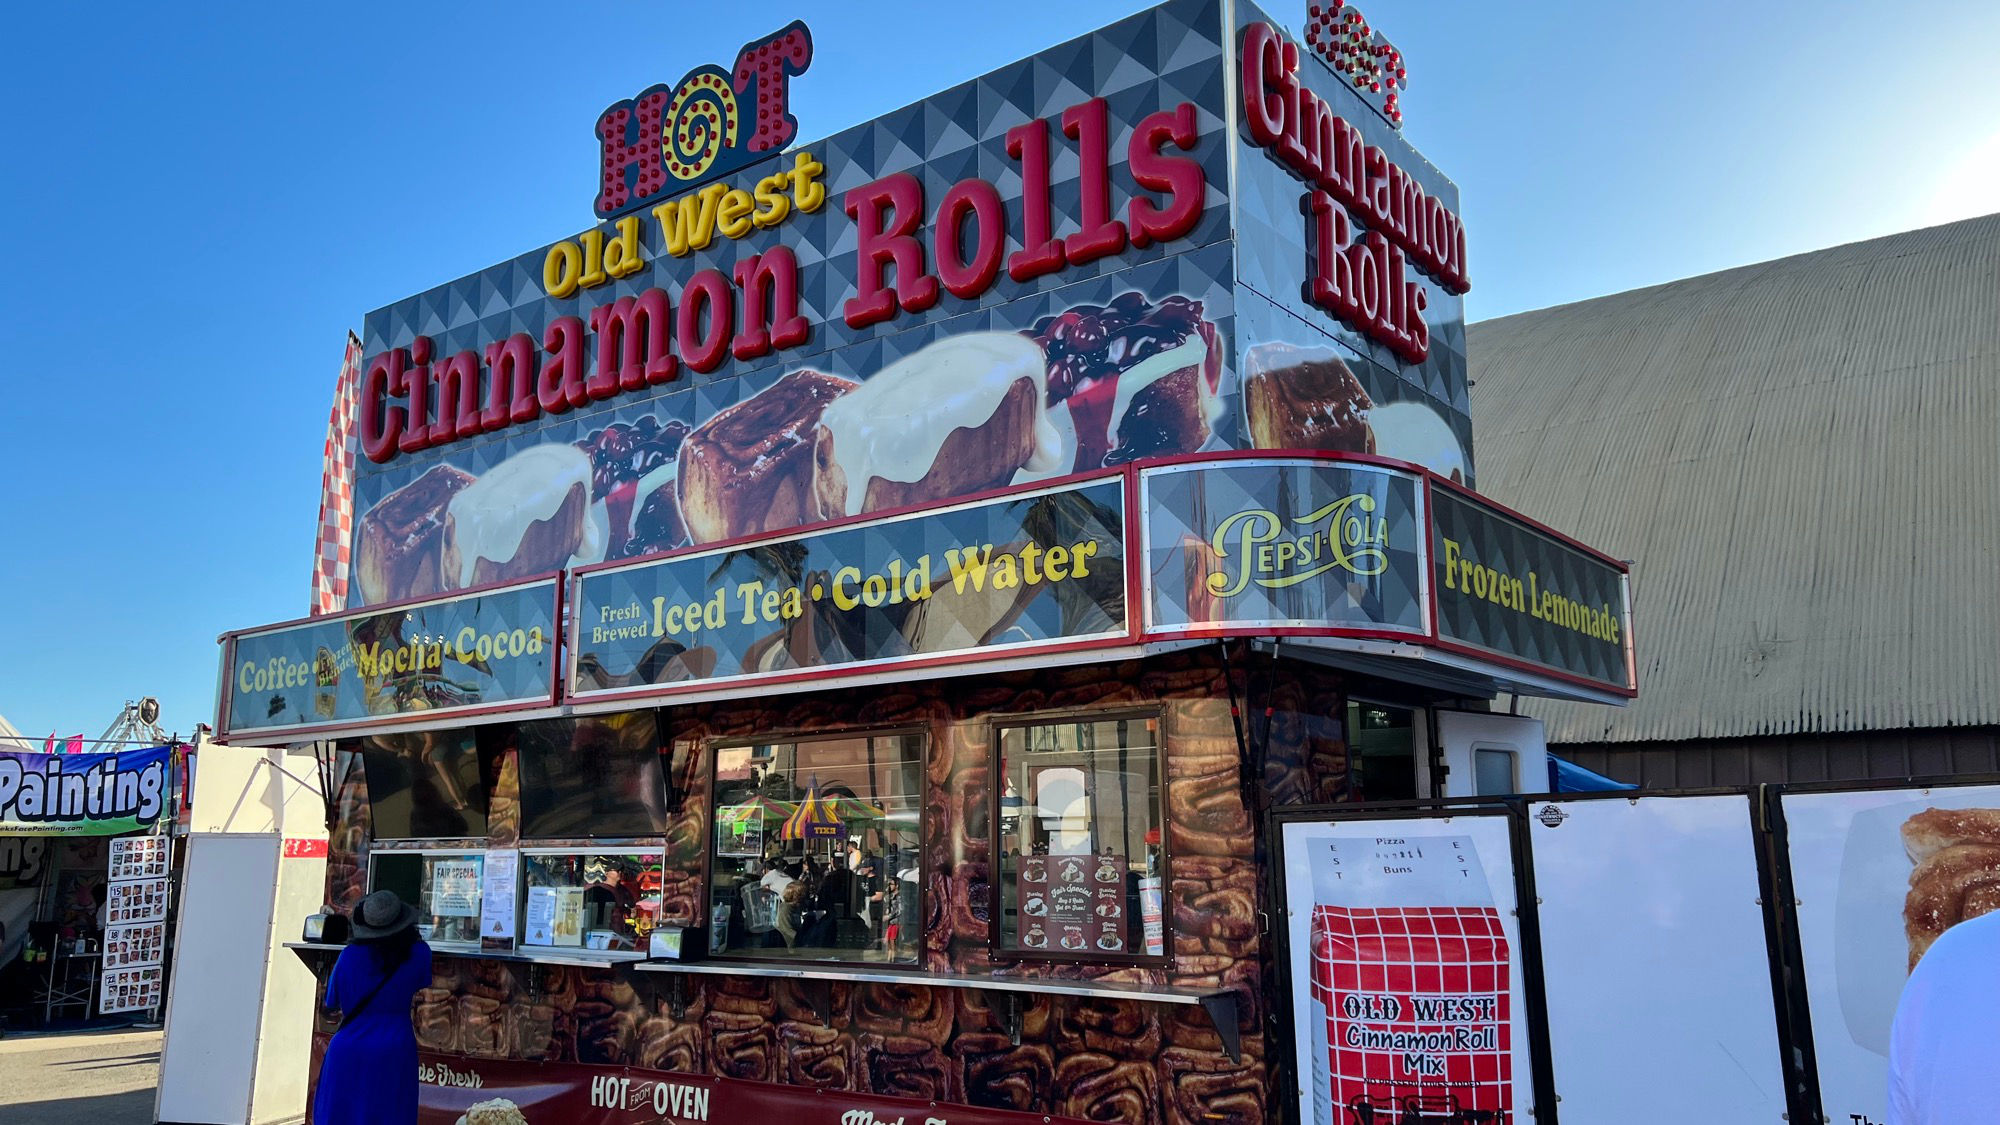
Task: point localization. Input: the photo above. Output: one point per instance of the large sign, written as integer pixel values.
(1510, 589)
(495, 647)
(1022, 277)
(1877, 875)
(1243, 544)
(711, 123)
(458, 1090)
(1405, 962)
(1350, 252)
(82, 794)
(1025, 571)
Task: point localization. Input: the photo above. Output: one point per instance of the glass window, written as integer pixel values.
(443, 886)
(1493, 773)
(1382, 752)
(598, 776)
(424, 785)
(607, 901)
(1080, 838)
(816, 852)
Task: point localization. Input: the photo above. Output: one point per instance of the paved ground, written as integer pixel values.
(79, 1078)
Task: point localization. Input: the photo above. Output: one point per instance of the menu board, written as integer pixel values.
(127, 946)
(138, 857)
(138, 900)
(135, 922)
(455, 888)
(555, 916)
(1073, 903)
(131, 990)
(499, 876)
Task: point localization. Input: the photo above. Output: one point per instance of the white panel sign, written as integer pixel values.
(497, 897)
(1407, 994)
(1855, 872)
(1655, 962)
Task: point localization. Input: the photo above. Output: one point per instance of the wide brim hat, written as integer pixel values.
(381, 915)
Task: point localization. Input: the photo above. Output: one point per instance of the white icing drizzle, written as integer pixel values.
(1192, 353)
(1411, 431)
(596, 525)
(662, 477)
(490, 516)
(894, 425)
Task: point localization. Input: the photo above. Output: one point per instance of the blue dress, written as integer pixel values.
(369, 1075)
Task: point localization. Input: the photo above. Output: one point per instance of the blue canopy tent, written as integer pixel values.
(1568, 777)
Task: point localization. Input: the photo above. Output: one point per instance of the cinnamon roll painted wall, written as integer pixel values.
(1088, 1059)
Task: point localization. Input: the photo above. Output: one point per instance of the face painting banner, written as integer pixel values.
(82, 794)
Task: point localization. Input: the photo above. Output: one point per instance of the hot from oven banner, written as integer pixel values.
(459, 1090)
(488, 648)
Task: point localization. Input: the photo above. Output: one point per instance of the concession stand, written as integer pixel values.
(826, 638)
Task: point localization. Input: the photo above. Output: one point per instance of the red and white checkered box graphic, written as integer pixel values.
(1419, 1019)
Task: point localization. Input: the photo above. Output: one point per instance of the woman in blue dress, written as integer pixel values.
(369, 1075)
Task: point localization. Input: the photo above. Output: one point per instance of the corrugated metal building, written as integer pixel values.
(1801, 458)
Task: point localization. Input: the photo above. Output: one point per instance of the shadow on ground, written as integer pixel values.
(134, 1107)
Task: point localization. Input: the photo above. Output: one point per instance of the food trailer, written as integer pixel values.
(826, 638)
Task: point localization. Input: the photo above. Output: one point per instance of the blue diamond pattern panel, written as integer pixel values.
(406, 542)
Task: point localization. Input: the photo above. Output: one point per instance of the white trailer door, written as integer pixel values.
(1489, 755)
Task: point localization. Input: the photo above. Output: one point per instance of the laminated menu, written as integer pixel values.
(1410, 996)
(1073, 903)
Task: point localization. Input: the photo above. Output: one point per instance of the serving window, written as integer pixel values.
(444, 885)
(1079, 829)
(816, 849)
(606, 900)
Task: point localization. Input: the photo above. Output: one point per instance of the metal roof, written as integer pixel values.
(1802, 460)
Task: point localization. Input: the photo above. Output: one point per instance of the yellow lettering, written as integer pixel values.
(733, 216)
(688, 223)
(1250, 529)
(624, 256)
(842, 578)
(562, 270)
(1006, 573)
(809, 196)
(1080, 558)
(969, 565)
(772, 203)
(593, 258)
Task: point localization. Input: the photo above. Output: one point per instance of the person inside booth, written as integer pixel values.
(801, 860)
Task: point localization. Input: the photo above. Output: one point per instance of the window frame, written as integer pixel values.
(715, 746)
(609, 845)
(442, 945)
(996, 937)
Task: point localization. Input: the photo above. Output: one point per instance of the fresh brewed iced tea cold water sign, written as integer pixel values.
(1404, 975)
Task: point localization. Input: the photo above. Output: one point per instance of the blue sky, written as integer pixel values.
(196, 210)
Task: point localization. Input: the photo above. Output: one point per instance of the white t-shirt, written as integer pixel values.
(1944, 1052)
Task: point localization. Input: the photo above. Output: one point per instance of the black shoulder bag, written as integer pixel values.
(347, 1014)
